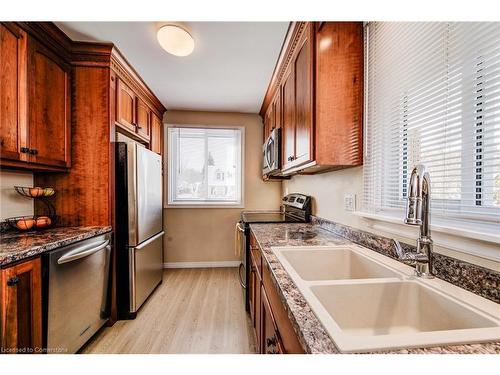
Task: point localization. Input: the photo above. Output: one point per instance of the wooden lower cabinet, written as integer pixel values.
(21, 308)
(273, 330)
(270, 342)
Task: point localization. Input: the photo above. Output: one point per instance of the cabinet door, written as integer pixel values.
(338, 122)
(303, 99)
(20, 309)
(277, 109)
(271, 341)
(49, 107)
(256, 298)
(251, 292)
(288, 126)
(125, 106)
(156, 134)
(13, 56)
(143, 118)
(267, 121)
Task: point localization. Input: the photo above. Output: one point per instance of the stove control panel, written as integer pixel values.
(300, 201)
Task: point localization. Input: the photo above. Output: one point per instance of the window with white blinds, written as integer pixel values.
(433, 97)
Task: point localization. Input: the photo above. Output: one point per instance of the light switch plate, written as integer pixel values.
(350, 202)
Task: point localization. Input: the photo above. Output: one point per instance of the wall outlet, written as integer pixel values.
(350, 202)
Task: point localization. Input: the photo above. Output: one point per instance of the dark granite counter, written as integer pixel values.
(16, 246)
(311, 333)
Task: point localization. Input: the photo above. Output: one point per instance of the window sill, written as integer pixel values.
(456, 236)
(187, 205)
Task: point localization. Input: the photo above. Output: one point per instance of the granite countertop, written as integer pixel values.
(311, 333)
(15, 246)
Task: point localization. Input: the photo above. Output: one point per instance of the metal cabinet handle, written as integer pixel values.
(25, 150)
(13, 281)
(33, 151)
(271, 341)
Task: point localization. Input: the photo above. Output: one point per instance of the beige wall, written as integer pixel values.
(328, 191)
(11, 203)
(207, 234)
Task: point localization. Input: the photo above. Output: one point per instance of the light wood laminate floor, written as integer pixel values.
(192, 311)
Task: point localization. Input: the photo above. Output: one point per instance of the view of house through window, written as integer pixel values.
(205, 166)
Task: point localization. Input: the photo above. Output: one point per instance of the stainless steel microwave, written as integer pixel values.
(271, 163)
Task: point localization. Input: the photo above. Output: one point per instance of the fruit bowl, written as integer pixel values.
(35, 192)
(26, 223)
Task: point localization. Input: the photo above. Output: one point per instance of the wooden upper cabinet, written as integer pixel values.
(303, 99)
(320, 79)
(288, 125)
(20, 307)
(133, 113)
(13, 135)
(143, 118)
(339, 94)
(125, 106)
(49, 107)
(277, 109)
(268, 122)
(156, 134)
(35, 102)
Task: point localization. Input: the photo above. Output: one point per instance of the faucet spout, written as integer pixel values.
(418, 213)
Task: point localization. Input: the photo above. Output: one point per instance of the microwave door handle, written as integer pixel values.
(267, 153)
(82, 252)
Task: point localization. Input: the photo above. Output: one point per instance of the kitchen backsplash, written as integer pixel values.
(474, 278)
(11, 203)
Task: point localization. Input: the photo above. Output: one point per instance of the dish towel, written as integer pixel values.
(237, 242)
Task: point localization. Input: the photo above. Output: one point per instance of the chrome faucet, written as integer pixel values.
(417, 213)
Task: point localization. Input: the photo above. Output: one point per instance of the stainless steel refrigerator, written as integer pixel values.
(139, 225)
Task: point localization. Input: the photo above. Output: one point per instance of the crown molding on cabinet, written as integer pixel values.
(88, 54)
(294, 33)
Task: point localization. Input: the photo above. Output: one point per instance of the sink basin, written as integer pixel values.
(400, 307)
(334, 264)
(369, 302)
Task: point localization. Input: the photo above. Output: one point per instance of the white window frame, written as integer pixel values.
(169, 203)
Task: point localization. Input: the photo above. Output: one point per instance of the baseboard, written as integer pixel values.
(230, 263)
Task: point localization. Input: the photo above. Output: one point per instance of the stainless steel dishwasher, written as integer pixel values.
(77, 307)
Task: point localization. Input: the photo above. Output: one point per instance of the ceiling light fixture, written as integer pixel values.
(175, 40)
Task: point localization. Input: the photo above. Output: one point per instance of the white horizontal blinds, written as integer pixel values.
(205, 166)
(433, 97)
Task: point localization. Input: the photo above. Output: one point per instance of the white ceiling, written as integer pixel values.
(229, 70)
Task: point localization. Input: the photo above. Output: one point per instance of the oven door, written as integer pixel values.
(271, 153)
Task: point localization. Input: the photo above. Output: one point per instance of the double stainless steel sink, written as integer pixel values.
(369, 302)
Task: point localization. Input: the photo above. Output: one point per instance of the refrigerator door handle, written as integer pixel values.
(147, 242)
